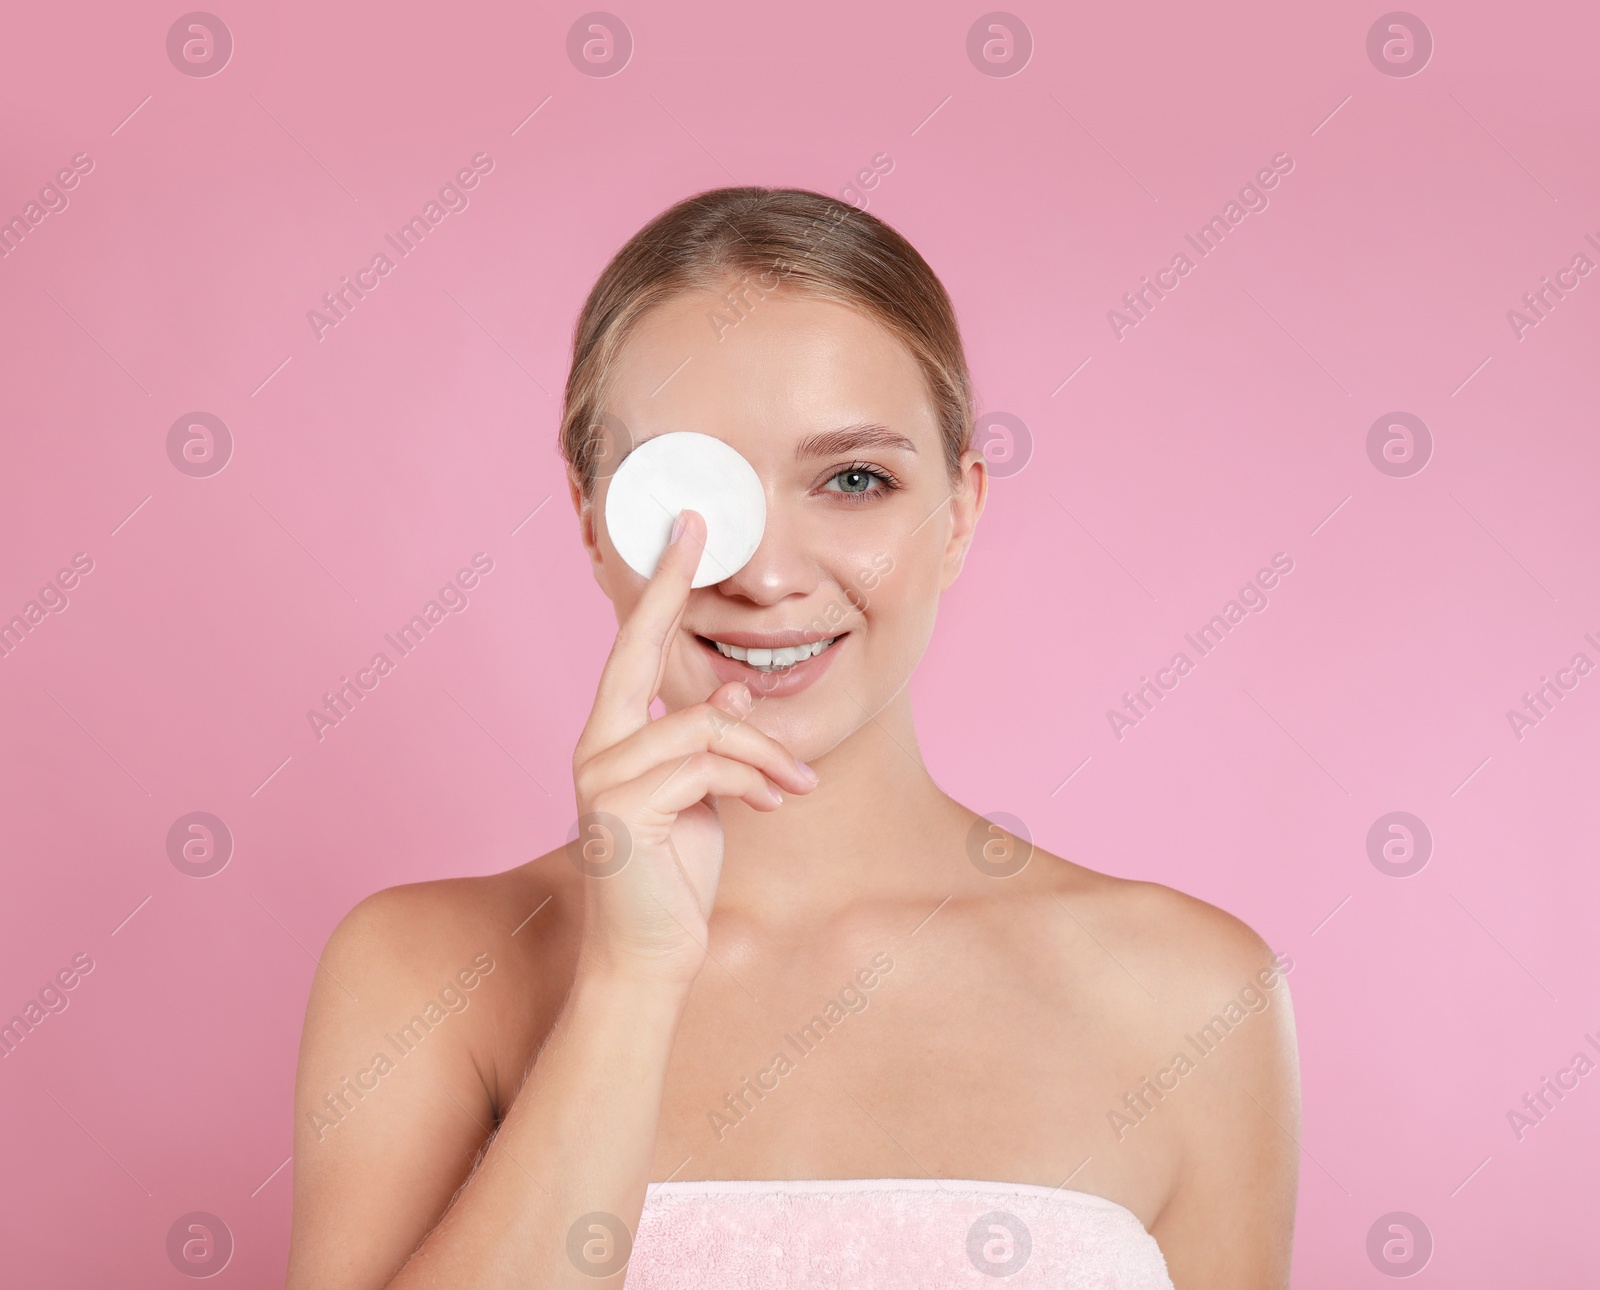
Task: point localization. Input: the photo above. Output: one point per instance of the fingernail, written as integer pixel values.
(741, 698)
(777, 797)
(677, 529)
(811, 774)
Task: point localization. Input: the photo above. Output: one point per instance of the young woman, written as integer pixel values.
(783, 1013)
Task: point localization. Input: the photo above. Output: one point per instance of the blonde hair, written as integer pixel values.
(784, 238)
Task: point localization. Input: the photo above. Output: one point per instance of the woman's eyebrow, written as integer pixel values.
(838, 443)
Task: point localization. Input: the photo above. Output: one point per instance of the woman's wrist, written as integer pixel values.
(630, 984)
(628, 1022)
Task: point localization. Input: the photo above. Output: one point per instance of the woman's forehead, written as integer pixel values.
(793, 366)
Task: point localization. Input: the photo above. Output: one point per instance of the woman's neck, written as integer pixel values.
(876, 828)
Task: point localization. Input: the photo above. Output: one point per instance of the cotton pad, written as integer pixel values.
(686, 471)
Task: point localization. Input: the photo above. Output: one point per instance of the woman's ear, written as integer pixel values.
(583, 504)
(967, 500)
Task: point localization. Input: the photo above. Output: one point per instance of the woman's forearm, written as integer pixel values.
(576, 1145)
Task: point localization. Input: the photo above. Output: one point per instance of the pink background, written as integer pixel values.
(1229, 425)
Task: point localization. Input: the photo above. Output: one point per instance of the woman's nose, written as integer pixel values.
(781, 566)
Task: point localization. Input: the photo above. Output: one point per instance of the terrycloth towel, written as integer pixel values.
(888, 1234)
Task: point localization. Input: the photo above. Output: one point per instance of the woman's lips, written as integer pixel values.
(781, 682)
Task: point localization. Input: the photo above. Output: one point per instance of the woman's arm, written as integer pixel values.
(556, 1195)
(373, 1176)
(1230, 1222)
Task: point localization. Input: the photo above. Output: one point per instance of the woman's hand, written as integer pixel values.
(649, 837)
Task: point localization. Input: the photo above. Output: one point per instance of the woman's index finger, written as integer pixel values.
(633, 671)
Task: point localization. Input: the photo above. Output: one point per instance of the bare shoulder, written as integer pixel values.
(1186, 992)
(482, 948)
(1187, 953)
(1210, 1067)
(414, 929)
(426, 1006)
(1191, 948)
(411, 925)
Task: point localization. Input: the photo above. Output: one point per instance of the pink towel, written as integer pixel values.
(888, 1234)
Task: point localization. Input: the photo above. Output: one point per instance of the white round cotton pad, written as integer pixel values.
(686, 471)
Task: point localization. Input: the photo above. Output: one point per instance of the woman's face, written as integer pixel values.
(865, 527)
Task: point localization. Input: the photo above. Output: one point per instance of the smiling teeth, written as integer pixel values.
(770, 660)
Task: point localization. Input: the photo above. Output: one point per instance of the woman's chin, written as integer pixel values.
(809, 725)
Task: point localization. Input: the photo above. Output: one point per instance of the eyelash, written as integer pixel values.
(888, 483)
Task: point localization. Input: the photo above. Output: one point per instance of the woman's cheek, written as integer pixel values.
(900, 606)
(623, 587)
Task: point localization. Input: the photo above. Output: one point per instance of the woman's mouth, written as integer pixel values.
(772, 660)
(772, 664)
